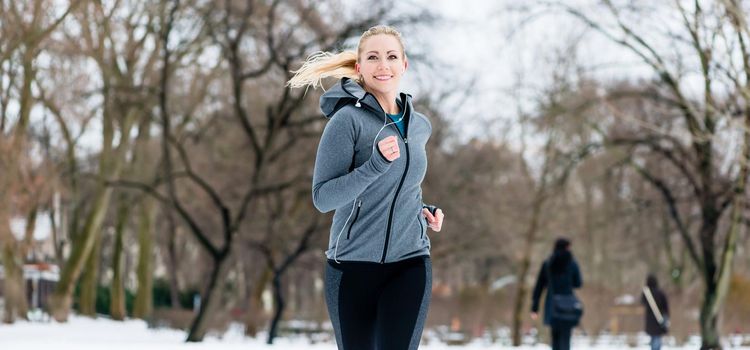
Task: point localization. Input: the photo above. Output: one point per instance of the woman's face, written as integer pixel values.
(381, 64)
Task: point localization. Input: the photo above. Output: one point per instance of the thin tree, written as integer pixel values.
(123, 102)
(25, 28)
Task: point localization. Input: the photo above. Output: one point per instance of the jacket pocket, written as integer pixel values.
(421, 225)
(356, 215)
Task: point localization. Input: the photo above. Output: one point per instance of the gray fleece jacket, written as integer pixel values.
(378, 204)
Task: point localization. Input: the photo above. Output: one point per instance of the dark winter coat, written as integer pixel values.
(566, 276)
(652, 325)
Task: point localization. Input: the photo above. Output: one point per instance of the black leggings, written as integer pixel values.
(561, 338)
(378, 306)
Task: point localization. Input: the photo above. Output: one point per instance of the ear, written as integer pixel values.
(406, 65)
(357, 67)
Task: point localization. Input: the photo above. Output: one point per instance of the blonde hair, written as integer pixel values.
(325, 64)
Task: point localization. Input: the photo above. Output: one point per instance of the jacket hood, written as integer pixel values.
(348, 91)
(560, 260)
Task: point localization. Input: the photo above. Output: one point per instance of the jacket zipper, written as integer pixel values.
(403, 176)
(356, 215)
(393, 204)
(398, 189)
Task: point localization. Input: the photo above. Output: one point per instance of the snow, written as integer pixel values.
(82, 333)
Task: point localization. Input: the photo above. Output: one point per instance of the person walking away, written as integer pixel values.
(560, 275)
(656, 313)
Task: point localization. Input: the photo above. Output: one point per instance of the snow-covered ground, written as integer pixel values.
(82, 333)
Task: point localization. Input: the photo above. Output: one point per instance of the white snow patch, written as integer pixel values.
(82, 333)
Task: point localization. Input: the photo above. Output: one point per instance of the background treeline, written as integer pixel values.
(158, 140)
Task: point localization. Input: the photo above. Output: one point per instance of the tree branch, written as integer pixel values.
(673, 211)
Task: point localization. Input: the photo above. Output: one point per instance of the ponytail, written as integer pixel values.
(323, 65)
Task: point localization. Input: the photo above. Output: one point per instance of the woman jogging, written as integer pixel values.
(369, 168)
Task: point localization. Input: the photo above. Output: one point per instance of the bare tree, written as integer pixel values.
(25, 28)
(117, 287)
(123, 102)
(280, 222)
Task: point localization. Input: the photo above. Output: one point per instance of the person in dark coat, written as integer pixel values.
(559, 274)
(653, 328)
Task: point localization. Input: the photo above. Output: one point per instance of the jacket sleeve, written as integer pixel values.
(577, 280)
(541, 283)
(665, 305)
(333, 185)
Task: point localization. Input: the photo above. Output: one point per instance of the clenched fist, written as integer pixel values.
(435, 222)
(388, 147)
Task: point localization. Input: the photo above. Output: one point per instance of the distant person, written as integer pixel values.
(369, 168)
(656, 311)
(562, 310)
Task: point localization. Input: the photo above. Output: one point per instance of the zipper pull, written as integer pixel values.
(406, 140)
(360, 203)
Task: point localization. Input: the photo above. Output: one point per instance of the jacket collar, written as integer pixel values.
(348, 91)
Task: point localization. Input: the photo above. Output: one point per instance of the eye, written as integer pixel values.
(393, 57)
(372, 57)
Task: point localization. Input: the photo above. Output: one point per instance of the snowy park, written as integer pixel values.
(339, 174)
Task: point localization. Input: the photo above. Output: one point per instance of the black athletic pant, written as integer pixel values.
(378, 306)
(561, 338)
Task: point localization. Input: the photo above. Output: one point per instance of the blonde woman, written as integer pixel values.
(369, 168)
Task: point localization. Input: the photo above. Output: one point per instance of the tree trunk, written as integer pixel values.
(709, 315)
(540, 197)
(62, 299)
(54, 210)
(109, 167)
(209, 299)
(172, 261)
(13, 285)
(144, 170)
(90, 281)
(144, 296)
(709, 321)
(255, 306)
(675, 264)
(27, 247)
(717, 287)
(117, 289)
(523, 271)
(278, 300)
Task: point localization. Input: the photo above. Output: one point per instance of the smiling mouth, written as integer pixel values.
(383, 77)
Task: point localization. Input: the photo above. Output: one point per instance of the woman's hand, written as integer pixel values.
(435, 222)
(388, 147)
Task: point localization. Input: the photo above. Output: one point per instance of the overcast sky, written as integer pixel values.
(482, 41)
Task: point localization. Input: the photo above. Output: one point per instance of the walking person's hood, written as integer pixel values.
(560, 260)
